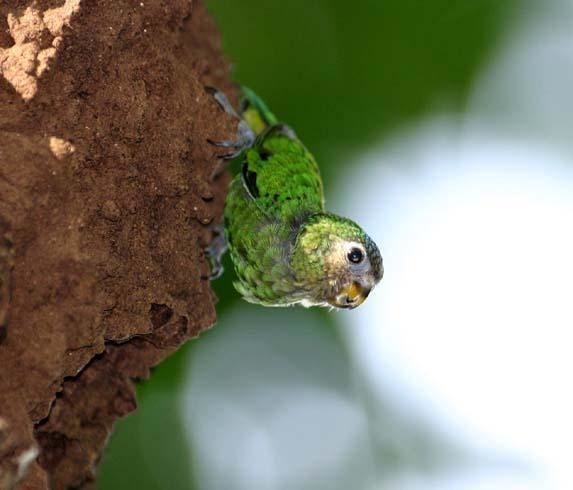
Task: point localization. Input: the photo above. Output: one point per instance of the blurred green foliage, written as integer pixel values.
(343, 74)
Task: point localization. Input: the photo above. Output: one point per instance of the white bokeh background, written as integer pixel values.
(473, 324)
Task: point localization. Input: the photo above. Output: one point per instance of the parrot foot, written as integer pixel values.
(215, 252)
(245, 135)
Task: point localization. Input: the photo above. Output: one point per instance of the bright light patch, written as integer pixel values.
(473, 321)
(269, 406)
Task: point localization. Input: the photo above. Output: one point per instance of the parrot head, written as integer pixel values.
(335, 262)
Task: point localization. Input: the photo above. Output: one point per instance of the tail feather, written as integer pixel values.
(255, 112)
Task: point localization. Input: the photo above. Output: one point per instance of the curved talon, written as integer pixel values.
(216, 272)
(227, 144)
(215, 252)
(229, 156)
(222, 100)
(245, 135)
(223, 144)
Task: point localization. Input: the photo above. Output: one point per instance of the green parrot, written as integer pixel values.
(285, 247)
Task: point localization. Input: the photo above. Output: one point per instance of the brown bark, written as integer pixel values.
(106, 202)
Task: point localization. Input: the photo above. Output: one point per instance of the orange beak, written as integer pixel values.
(351, 296)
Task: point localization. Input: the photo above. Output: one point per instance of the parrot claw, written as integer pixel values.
(245, 135)
(244, 141)
(222, 100)
(215, 252)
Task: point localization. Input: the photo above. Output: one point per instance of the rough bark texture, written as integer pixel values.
(106, 198)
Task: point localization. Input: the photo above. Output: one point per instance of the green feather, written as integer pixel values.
(279, 234)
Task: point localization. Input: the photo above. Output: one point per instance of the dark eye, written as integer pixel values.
(355, 256)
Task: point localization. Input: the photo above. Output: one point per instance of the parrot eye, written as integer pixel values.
(355, 256)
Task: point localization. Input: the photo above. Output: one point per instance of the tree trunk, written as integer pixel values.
(106, 204)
